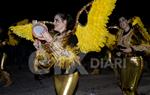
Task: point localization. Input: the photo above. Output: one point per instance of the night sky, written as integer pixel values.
(45, 9)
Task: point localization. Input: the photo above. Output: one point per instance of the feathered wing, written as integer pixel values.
(23, 31)
(137, 21)
(94, 35)
(12, 40)
(145, 39)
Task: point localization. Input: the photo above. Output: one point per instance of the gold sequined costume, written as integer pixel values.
(130, 74)
(91, 37)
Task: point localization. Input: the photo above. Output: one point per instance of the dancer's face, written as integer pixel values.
(59, 24)
(123, 23)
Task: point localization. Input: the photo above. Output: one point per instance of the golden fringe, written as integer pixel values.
(93, 36)
(66, 61)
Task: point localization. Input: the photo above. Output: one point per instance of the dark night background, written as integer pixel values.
(13, 11)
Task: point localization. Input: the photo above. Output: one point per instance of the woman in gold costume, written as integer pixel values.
(131, 45)
(54, 48)
(60, 53)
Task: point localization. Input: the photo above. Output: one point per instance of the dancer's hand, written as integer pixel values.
(4, 43)
(47, 37)
(37, 44)
(127, 50)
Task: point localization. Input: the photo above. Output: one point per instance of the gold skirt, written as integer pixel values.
(130, 75)
(66, 84)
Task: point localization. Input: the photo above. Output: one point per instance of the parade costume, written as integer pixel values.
(91, 37)
(10, 41)
(138, 40)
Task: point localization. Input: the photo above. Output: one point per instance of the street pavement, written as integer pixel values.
(104, 83)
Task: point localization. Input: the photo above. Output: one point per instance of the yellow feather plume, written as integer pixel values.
(111, 41)
(93, 36)
(137, 21)
(12, 41)
(24, 31)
